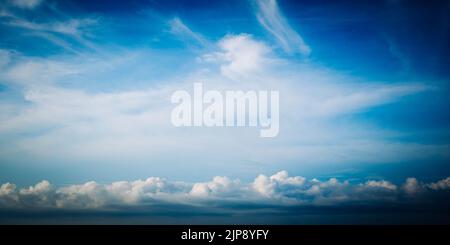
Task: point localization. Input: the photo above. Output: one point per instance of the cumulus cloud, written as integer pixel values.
(381, 185)
(441, 185)
(412, 186)
(271, 18)
(279, 189)
(94, 195)
(278, 183)
(240, 56)
(220, 185)
(8, 195)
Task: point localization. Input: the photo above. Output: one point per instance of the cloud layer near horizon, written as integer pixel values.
(278, 190)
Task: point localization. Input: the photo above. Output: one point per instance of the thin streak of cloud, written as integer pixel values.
(26, 4)
(180, 29)
(55, 31)
(396, 53)
(72, 28)
(271, 18)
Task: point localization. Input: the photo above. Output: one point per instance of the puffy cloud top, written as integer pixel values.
(278, 189)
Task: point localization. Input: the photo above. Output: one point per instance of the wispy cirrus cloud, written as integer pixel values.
(111, 125)
(26, 4)
(271, 18)
(66, 32)
(180, 29)
(51, 31)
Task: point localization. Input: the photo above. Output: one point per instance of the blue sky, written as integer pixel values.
(85, 90)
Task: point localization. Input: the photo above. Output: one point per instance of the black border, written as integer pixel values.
(363, 234)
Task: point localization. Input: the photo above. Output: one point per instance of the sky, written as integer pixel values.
(85, 109)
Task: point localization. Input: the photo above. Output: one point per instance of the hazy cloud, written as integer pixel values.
(26, 4)
(110, 123)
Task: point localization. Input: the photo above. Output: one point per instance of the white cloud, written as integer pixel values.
(7, 189)
(178, 28)
(283, 178)
(220, 185)
(350, 101)
(270, 17)
(264, 186)
(412, 186)
(112, 125)
(39, 188)
(241, 56)
(57, 31)
(8, 195)
(29, 73)
(94, 195)
(271, 186)
(26, 4)
(441, 185)
(40, 195)
(278, 189)
(381, 184)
